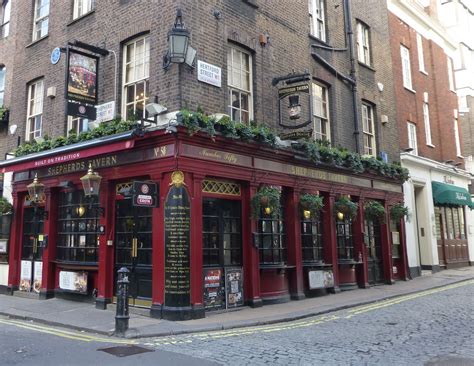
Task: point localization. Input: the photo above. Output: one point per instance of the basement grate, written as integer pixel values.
(124, 351)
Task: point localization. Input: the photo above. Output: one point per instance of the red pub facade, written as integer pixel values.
(200, 248)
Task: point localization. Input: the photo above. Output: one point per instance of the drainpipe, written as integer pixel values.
(350, 40)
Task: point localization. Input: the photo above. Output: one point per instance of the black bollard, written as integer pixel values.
(122, 316)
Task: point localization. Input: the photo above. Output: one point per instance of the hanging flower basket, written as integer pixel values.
(312, 203)
(266, 199)
(374, 211)
(346, 207)
(398, 211)
(5, 206)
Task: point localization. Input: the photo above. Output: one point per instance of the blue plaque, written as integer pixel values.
(55, 55)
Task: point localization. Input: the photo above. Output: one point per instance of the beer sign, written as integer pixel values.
(145, 194)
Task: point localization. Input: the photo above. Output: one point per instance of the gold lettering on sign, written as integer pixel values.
(159, 151)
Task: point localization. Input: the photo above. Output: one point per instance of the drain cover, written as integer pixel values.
(124, 351)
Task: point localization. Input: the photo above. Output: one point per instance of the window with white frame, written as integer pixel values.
(76, 125)
(41, 22)
(317, 19)
(82, 7)
(239, 80)
(2, 84)
(419, 46)
(368, 129)
(34, 122)
(450, 74)
(321, 130)
(363, 43)
(5, 18)
(412, 142)
(406, 68)
(136, 73)
(457, 140)
(426, 120)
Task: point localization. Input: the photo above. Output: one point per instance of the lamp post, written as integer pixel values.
(37, 196)
(91, 185)
(178, 39)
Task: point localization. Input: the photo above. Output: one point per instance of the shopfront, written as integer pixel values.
(201, 246)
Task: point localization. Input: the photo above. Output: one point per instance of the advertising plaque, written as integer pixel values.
(73, 281)
(320, 279)
(214, 294)
(145, 194)
(234, 287)
(25, 276)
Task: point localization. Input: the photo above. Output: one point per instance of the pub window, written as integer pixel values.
(312, 240)
(5, 18)
(396, 243)
(321, 113)
(239, 80)
(345, 244)
(272, 241)
(5, 225)
(34, 122)
(136, 74)
(31, 228)
(78, 229)
(82, 7)
(41, 19)
(76, 125)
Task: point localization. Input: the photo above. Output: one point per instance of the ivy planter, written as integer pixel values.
(345, 206)
(311, 203)
(5, 206)
(268, 199)
(398, 211)
(374, 211)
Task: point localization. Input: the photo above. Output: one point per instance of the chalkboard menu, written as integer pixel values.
(177, 248)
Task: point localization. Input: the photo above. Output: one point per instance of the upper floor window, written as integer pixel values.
(406, 68)
(82, 7)
(41, 22)
(2, 84)
(457, 139)
(412, 142)
(363, 43)
(239, 80)
(450, 74)
(34, 123)
(136, 73)
(76, 125)
(368, 129)
(426, 119)
(317, 19)
(419, 46)
(5, 19)
(321, 130)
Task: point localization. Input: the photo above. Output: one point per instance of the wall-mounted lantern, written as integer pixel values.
(36, 190)
(91, 183)
(178, 41)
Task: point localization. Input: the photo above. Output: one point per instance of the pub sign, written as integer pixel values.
(145, 194)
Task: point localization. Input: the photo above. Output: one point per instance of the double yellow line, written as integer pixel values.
(63, 333)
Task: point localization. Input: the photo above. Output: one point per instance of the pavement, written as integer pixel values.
(85, 317)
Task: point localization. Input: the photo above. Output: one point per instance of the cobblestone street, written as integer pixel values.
(434, 327)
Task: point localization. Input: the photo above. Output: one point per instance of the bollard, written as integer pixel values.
(122, 316)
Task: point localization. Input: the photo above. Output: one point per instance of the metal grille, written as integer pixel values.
(123, 188)
(220, 187)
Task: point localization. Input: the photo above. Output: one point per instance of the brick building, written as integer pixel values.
(270, 62)
(430, 138)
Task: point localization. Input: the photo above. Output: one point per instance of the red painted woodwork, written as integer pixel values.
(197, 284)
(330, 239)
(385, 237)
(49, 253)
(274, 284)
(347, 274)
(360, 249)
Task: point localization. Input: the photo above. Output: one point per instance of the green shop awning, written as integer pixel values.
(450, 195)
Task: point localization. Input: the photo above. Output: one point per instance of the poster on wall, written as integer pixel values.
(73, 281)
(82, 77)
(3, 246)
(37, 276)
(214, 289)
(320, 279)
(234, 287)
(25, 276)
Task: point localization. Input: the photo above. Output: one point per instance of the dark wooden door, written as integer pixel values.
(374, 249)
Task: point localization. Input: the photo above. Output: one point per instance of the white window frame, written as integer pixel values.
(238, 88)
(34, 120)
(450, 74)
(82, 7)
(421, 59)
(412, 139)
(78, 124)
(3, 76)
(426, 120)
(139, 78)
(406, 67)
(457, 139)
(5, 19)
(368, 129)
(321, 104)
(363, 43)
(317, 18)
(40, 20)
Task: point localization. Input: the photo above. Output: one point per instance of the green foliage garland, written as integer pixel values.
(5, 206)
(346, 206)
(374, 211)
(398, 211)
(313, 203)
(266, 197)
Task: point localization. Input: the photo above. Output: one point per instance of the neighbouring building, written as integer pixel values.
(439, 229)
(203, 219)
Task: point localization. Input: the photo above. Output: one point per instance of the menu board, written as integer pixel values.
(73, 281)
(25, 276)
(177, 251)
(37, 276)
(214, 294)
(234, 287)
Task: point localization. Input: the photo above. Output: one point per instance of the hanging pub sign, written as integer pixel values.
(145, 194)
(294, 100)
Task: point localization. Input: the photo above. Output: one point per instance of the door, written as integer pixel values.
(222, 247)
(374, 248)
(440, 237)
(32, 250)
(133, 249)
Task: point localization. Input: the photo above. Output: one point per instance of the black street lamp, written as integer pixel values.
(178, 39)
